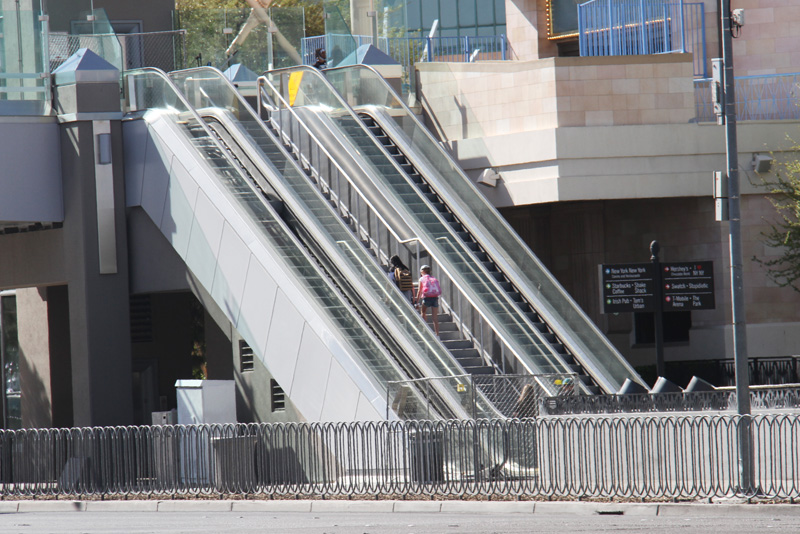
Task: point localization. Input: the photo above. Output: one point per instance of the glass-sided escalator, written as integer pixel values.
(534, 322)
(349, 262)
(150, 91)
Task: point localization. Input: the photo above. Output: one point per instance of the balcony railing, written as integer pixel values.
(758, 98)
(633, 27)
(408, 50)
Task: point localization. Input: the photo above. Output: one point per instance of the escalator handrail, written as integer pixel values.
(228, 122)
(566, 336)
(489, 279)
(368, 375)
(263, 81)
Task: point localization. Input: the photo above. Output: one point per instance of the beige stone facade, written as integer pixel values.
(498, 98)
(599, 156)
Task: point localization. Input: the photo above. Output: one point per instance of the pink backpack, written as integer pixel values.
(430, 286)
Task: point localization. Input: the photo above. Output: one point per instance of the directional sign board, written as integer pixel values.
(627, 287)
(688, 286)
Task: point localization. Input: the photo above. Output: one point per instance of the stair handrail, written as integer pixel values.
(262, 83)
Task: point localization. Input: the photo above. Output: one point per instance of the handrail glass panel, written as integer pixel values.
(208, 88)
(307, 87)
(154, 91)
(518, 262)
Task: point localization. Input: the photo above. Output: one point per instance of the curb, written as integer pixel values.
(444, 507)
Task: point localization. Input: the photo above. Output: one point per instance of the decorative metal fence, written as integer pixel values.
(509, 395)
(649, 457)
(408, 50)
(632, 27)
(767, 97)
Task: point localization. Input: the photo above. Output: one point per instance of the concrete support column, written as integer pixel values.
(95, 240)
(526, 28)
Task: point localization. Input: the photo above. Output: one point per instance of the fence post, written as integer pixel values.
(683, 30)
(611, 40)
(466, 49)
(503, 44)
(428, 48)
(643, 26)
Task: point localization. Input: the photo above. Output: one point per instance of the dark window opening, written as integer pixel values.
(568, 48)
(676, 327)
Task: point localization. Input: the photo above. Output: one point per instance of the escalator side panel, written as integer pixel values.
(261, 299)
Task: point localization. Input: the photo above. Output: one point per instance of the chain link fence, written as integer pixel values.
(503, 395)
(164, 50)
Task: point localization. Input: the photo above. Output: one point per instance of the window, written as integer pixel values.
(9, 358)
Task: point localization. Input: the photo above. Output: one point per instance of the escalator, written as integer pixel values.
(537, 326)
(351, 264)
(231, 233)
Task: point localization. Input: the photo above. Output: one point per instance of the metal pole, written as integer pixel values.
(658, 315)
(735, 244)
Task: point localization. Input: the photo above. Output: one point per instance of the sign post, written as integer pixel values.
(658, 316)
(657, 287)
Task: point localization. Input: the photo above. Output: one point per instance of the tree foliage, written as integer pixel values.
(784, 233)
(204, 21)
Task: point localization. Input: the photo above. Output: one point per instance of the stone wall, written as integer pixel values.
(469, 100)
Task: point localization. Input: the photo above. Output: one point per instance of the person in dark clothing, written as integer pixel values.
(321, 58)
(401, 276)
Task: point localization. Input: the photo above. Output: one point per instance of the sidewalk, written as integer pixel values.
(453, 507)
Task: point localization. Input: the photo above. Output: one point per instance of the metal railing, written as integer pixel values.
(758, 98)
(761, 398)
(408, 50)
(632, 27)
(643, 457)
(163, 50)
(512, 395)
(354, 205)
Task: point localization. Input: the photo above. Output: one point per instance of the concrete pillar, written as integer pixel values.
(45, 370)
(526, 28)
(95, 236)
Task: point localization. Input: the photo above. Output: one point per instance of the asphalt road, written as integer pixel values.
(377, 523)
(698, 518)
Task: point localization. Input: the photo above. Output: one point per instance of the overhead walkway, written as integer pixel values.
(240, 242)
(515, 314)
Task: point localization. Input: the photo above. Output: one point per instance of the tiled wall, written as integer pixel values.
(497, 98)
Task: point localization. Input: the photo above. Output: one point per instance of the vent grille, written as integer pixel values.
(278, 397)
(141, 319)
(245, 357)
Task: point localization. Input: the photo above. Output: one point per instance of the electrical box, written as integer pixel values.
(720, 185)
(720, 192)
(721, 209)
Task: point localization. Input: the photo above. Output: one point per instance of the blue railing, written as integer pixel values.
(758, 98)
(408, 50)
(632, 27)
